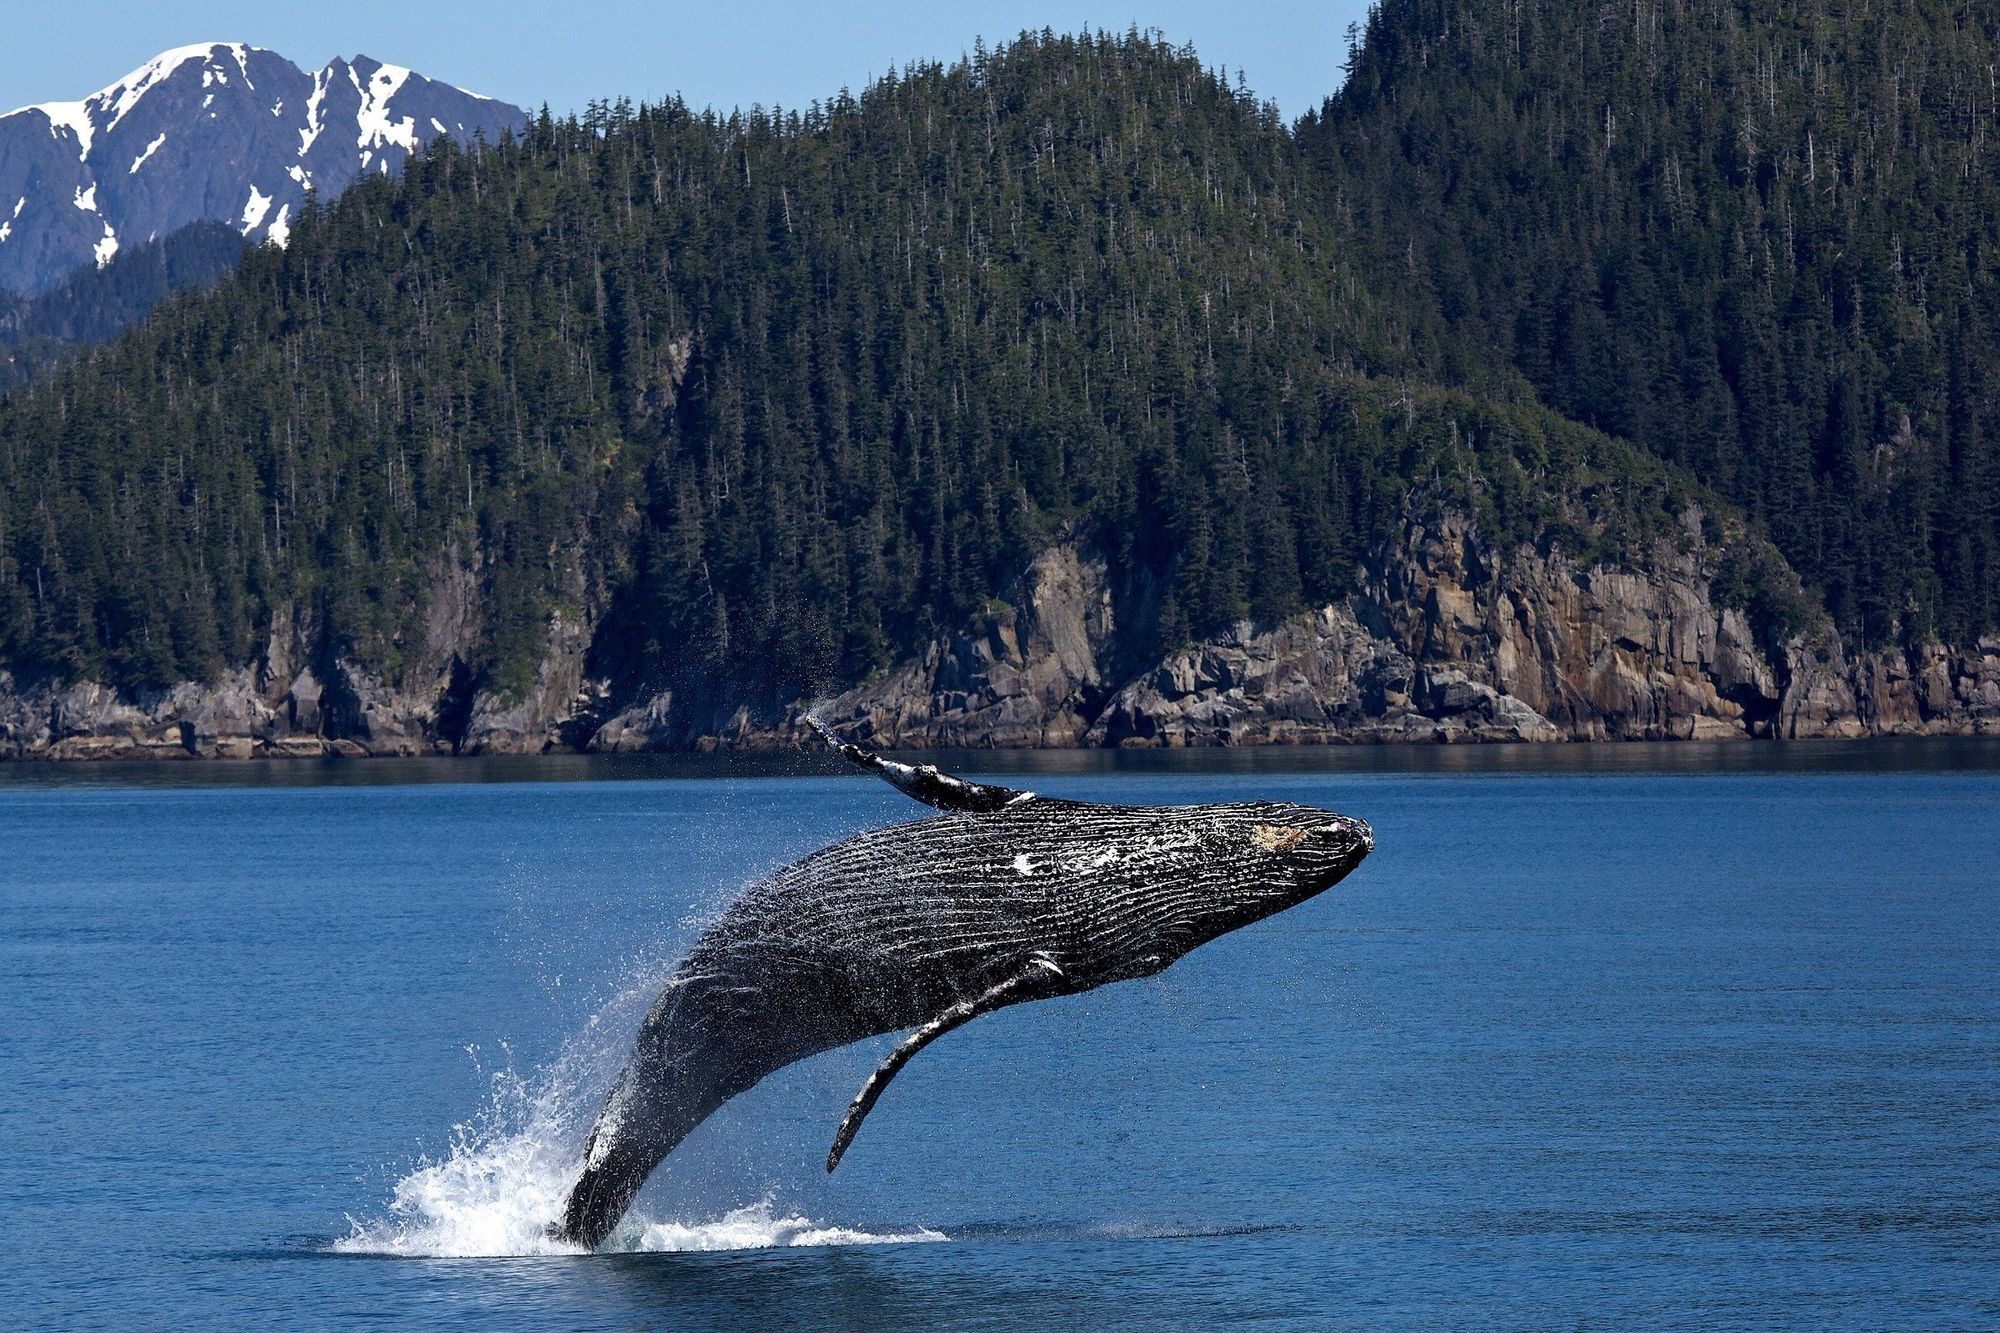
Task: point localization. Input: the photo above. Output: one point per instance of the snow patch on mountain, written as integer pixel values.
(120, 98)
(86, 200)
(151, 148)
(71, 116)
(313, 105)
(106, 247)
(254, 210)
(378, 128)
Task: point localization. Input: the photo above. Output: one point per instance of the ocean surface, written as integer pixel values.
(1600, 1036)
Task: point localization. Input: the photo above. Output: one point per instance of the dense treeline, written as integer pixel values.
(1757, 236)
(784, 390)
(93, 304)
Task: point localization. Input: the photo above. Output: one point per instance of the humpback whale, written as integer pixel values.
(1003, 897)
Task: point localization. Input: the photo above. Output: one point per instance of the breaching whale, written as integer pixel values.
(1003, 898)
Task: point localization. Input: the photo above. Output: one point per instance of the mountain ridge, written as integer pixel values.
(220, 132)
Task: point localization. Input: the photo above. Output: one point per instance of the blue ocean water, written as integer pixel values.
(1674, 1040)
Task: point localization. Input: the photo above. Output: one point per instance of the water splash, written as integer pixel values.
(752, 1227)
(509, 1170)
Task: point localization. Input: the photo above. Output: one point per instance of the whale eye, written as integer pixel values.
(1275, 838)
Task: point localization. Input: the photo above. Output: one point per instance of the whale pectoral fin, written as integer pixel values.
(1039, 974)
(924, 782)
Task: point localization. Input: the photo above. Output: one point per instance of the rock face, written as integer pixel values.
(1024, 676)
(220, 132)
(309, 697)
(1443, 638)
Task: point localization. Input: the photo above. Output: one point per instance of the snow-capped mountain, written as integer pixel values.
(219, 132)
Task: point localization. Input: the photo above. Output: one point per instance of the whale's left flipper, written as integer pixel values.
(1040, 974)
(925, 782)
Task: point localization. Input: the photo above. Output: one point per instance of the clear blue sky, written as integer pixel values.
(717, 53)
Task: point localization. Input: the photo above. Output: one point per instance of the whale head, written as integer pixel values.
(1312, 849)
(1270, 855)
(1209, 870)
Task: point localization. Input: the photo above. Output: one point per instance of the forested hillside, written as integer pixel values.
(799, 386)
(38, 333)
(1758, 237)
(651, 422)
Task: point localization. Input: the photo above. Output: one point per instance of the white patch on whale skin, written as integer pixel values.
(1023, 866)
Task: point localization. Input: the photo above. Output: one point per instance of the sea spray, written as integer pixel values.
(509, 1169)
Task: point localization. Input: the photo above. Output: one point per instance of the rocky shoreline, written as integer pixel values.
(1443, 639)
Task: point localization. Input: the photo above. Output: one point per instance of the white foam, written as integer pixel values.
(495, 1194)
(509, 1171)
(754, 1227)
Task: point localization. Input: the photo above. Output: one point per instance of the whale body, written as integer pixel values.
(1003, 898)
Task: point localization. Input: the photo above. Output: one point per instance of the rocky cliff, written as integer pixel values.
(1443, 638)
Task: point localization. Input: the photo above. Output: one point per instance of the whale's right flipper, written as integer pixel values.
(1038, 975)
(924, 782)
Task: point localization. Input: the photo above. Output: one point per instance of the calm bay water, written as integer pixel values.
(1673, 1035)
